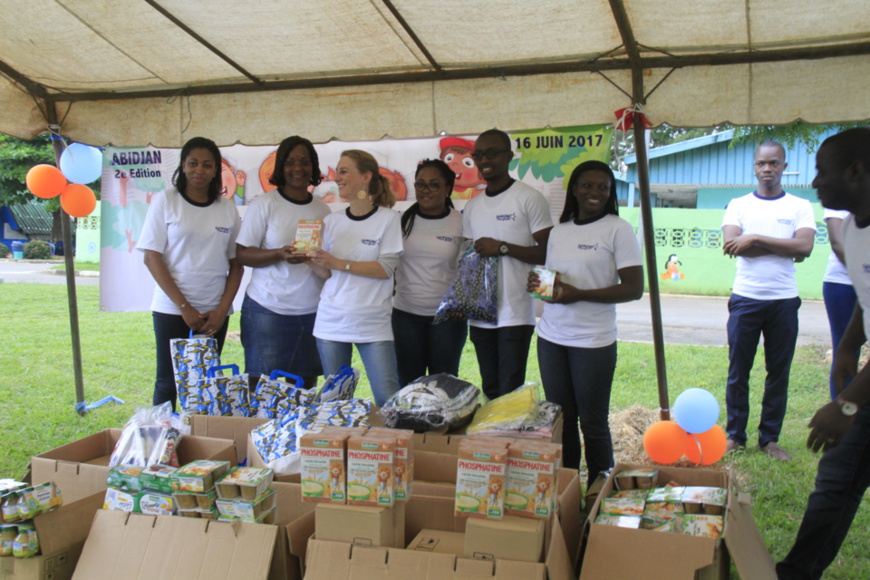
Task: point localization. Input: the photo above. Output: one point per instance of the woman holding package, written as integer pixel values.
(189, 243)
(599, 263)
(361, 248)
(432, 232)
(281, 299)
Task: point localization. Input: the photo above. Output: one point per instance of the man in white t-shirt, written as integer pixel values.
(512, 221)
(841, 427)
(767, 231)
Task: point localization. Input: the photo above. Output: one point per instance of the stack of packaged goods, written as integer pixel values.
(193, 488)
(244, 494)
(20, 503)
(689, 510)
(140, 490)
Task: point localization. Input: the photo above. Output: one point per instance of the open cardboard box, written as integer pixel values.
(80, 468)
(136, 546)
(666, 556)
(235, 428)
(432, 507)
(62, 534)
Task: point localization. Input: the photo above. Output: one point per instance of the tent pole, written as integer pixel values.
(640, 146)
(70, 273)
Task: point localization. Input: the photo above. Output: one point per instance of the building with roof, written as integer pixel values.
(23, 222)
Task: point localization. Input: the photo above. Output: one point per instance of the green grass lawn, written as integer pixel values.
(37, 391)
(80, 266)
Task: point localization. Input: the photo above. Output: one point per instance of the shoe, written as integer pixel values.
(775, 451)
(732, 446)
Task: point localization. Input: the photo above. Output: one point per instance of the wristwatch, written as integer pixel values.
(503, 249)
(848, 408)
(347, 266)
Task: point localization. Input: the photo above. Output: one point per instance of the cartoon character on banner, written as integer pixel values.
(456, 153)
(233, 182)
(672, 270)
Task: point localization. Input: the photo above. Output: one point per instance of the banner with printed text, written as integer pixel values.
(544, 159)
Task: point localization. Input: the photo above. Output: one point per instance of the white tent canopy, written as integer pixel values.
(134, 72)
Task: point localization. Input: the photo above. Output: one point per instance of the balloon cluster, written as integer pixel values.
(695, 433)
(79, 164)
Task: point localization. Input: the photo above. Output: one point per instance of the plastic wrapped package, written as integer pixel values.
(474, 292)
(431, 402)
(512, 411)
(148, 438)
(191, 359)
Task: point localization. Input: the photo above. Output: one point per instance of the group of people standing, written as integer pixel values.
(379, 277)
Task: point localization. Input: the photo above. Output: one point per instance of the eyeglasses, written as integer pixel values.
(774, 164)
(431, 186)
(488, 153)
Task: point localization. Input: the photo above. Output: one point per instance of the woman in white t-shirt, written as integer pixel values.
(599, 264)
(361, 247)
(189, 243)
(281, 299)
(837, 287)
(432, 231)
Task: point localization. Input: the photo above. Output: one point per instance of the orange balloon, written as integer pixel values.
(708, 447)
(45, 181)
(78, 200)
(664, 442)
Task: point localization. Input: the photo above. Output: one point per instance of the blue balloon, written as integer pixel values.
(81, 163)
(696, 410)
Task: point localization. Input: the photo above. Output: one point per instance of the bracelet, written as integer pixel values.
(183, 306)
(347, 266)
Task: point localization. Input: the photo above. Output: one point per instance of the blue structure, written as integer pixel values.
(24, 222)
(699, 173)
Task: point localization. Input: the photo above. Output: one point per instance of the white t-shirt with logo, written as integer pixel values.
(768, 277)
(197, 243)
(512, 216)
(270, 222)
(836, 270)
(587, 256)
(428, 264)
(355, 308)
(856, 242)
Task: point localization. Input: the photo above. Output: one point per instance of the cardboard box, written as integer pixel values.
(235, 428)
(80, 468)
(62, 534)
(366, 526)
(133, 546)
(512, 538)
(657, 555)
(439, 542)
(289, 554)
(336, 560)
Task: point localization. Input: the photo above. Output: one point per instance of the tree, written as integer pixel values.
(659, 137)
(799, 132)
(16, 158)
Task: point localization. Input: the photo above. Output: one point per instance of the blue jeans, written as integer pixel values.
(278, 342)
(580, 379)
(843, 477)
(839, 304)
(777, 320)
(502, 354)
(423, 348)
(379, 359)
(167, 327)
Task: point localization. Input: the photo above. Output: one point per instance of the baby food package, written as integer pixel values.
(704, 500)
(199, 475)
(701, 525)
(39, 499)
(632, 522)
(125, 477)
(308, 236)
(403, 476)
(481, 470)
(154, 503)
(119, 500)
(156, 478)
(7, 538)
(643, 478)
(370, 469)
(532, 479)
(247, 483)
(324, 467)
(26, 543)
(547, 280)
